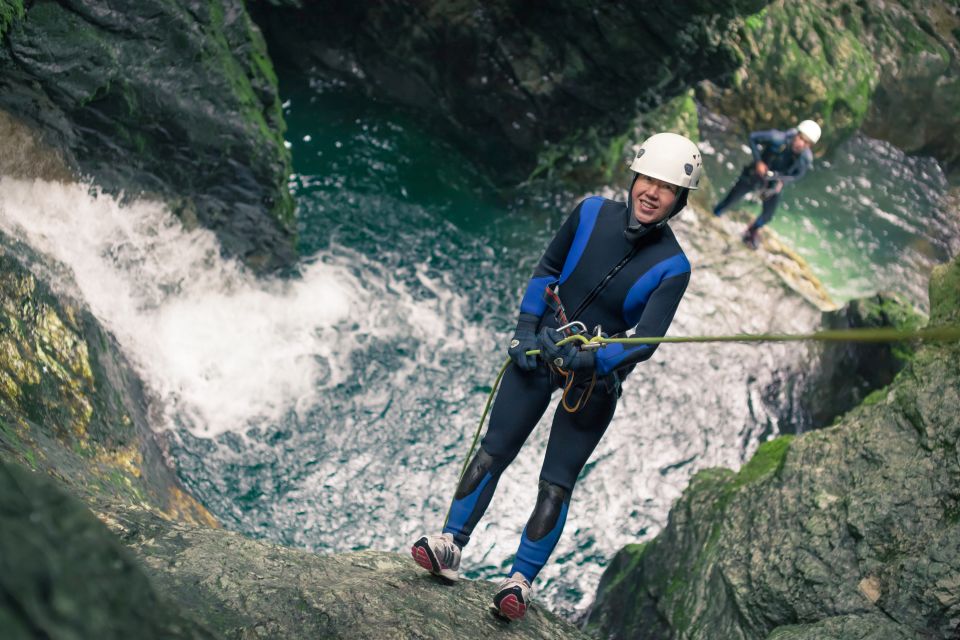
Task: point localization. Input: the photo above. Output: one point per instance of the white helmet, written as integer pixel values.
(810, 130)
(669, 157)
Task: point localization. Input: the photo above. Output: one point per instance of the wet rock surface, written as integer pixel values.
(848, 372)
(70, 404)
(243, 588)
(843, 532)
(170, 99)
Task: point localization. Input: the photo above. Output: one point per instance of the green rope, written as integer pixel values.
(930, 334)
(884, 334)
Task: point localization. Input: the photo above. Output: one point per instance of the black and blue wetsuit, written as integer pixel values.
(773, 147)
(602, 278)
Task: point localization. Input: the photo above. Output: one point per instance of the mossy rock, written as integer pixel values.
(10, 10)
(802, 61)
(847, 532)
(64, 575)
(593, 159)
(847, 373)
(177, 101)
(70, 404)
(889, 69)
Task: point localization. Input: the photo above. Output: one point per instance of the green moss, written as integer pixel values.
(14, 443)
(245, 74)
(628, 560)
(756, 21)
(952, 514)
(876, 396)
(802, 61)
(10, 10)
(945, 294)
(767, 460)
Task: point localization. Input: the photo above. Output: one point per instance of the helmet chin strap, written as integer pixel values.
(636, 229)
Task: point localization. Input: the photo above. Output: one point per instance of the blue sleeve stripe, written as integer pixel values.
(610, 357)
(588, 217)
(640, 292)
(533, 301)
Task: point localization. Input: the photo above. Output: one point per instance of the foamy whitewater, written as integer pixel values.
(220, 349)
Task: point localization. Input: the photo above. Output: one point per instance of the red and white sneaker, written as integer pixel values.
(439, 555)
(513, 597)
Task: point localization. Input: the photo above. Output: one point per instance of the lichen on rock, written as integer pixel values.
(69, 402)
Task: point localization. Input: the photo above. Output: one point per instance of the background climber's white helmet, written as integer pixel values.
(810, 130)
(669, 157)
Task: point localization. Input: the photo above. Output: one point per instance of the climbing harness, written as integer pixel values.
(569, 376)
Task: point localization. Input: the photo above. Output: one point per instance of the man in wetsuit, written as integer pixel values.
(612, 265)
(779, 158)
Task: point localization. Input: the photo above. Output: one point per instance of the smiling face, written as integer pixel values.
(800, 142)
(652, 199)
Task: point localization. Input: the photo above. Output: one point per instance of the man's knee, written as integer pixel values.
(551, 499)
(482, 464)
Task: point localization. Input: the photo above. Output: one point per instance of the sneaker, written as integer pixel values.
(439, 555)
(750, 237)
(513, 597)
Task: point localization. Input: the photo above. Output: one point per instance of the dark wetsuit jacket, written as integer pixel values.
(773, 147)
(643, 294)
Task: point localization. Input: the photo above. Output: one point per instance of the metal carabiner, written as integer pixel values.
(575, 323)
(593, 345)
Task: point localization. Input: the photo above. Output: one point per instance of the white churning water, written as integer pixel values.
(221, 349)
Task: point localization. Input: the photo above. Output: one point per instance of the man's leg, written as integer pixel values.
(751, 234)
(520, 402)
(769, 208)
(746, 183)
(573, 437)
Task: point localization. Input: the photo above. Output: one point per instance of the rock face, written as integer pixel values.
(889, 68)
(846, 532)
(243, 588)
(173, 99)
(847, 372)
(70, 405)
(64, 575)
(510, 78)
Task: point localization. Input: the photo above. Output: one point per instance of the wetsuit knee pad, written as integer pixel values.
(482, 464)
(551, 499)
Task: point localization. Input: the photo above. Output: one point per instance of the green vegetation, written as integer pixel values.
(766, 461)
(755, 22)
(10, 10)
(244, 74)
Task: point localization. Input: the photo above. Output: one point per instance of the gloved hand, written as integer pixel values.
(524, 339)
(568, 356)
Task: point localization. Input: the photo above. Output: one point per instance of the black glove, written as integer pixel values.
(568, 356)
(525, 339)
